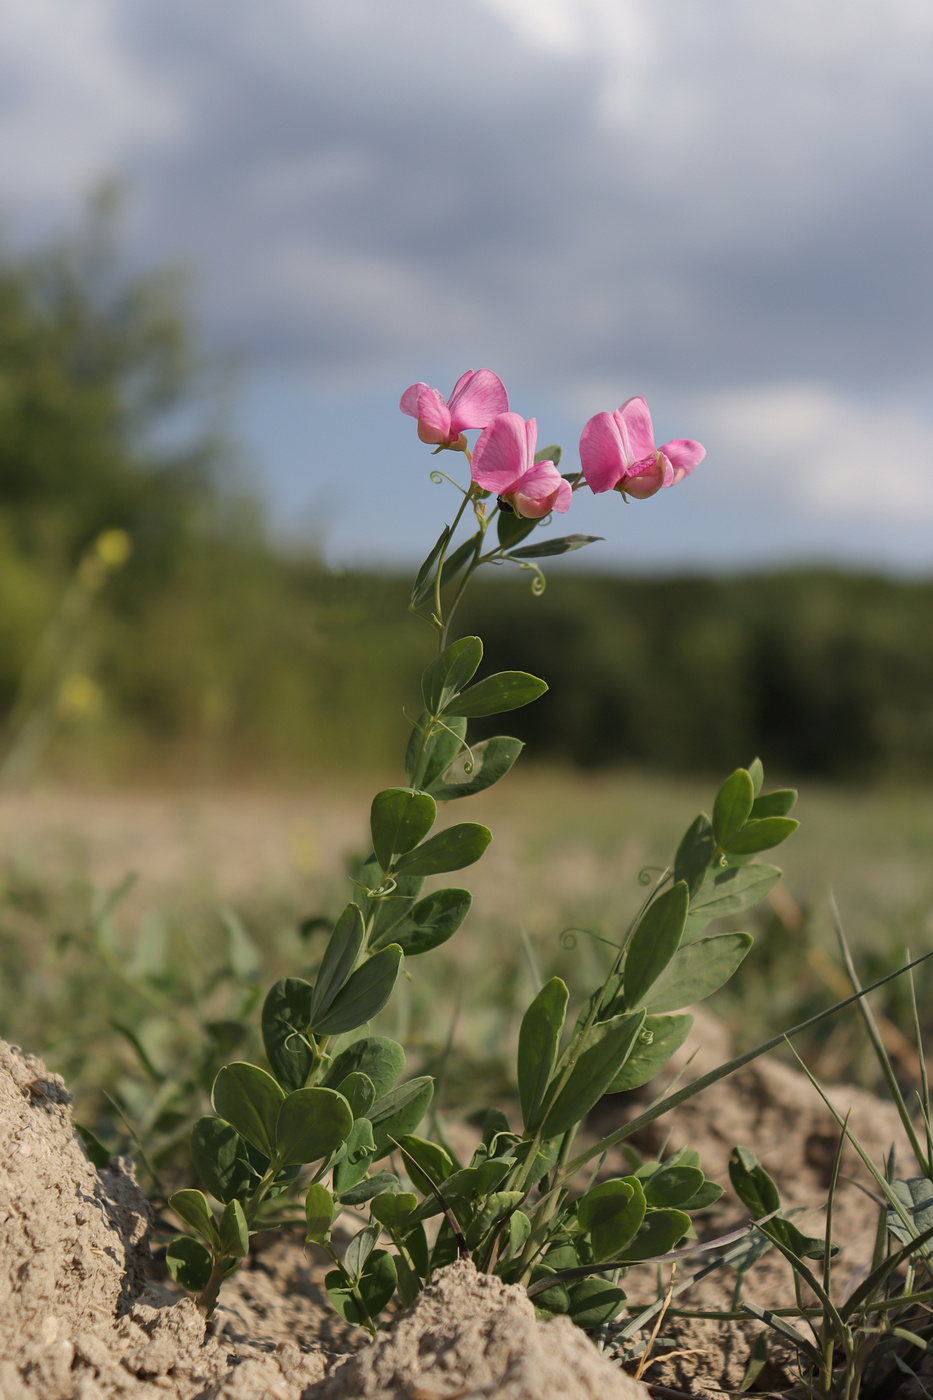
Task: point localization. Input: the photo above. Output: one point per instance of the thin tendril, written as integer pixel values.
(438, 476)
(567, 937)
(540, 582)
(647, 873)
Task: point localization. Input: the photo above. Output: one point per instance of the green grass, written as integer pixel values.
(561, 876)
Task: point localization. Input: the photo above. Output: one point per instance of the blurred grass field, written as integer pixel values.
(139, 932)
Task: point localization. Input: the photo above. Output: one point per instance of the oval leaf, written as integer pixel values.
(729, 890)
(189, 1263)
(661, 1231)
(399, 819)
(452, 849)
(354, 1164)
(234, 1231)
(698, 970)
(695, 852)
(761, 835)
(249, 1099)
(359, 1092)
(392, 1208)
(312, 1123)
(319, 1213)
(673, 1186)
(475, 769)
(421, 590)
(609, 1046)
(538, 1042)
(218, 1157)
(380, 1059)
(563, 544)
(436, 753)
(192, 1208)
(733, 806)
(399, 1112)
(431, 922)
(451, 671)
(654, 942)
(612, 1213)
(594, 1302)
(775, 804)
(286, 1013)
(506, 690)
(366, 992)
(656, 1042)
(340, 955)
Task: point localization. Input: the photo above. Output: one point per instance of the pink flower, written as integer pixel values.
(617, 452)
(475, 401)
(504, 462)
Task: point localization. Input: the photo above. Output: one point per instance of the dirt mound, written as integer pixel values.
(75, 1320)
(469, 1334)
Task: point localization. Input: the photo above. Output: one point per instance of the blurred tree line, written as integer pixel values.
(206, 654)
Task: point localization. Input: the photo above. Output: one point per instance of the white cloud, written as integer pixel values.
(823, 453)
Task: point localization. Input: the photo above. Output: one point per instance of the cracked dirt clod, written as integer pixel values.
(75, 1321)
(469, 1335)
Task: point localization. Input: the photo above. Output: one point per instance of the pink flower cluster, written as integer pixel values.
(617, 450)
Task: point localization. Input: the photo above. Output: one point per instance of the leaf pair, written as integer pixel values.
(303, 1126)
(444, 680)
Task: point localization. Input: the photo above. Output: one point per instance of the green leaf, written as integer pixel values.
(312, 1124)
(425, 1161)
(193, 1209)
(431, 922)
(594, 1302)
(286, 1013)
(551, 453)
(654, 942)
(506, 690)
(538, 1042)
(392, 1208)
(234, 1231)
(376, 1286)
(217, 1154)
(761, 835)
(359, 1092)
(654, 1045)
(661, 1231)
(757, 775)
(673, 1185)
(475, 769)
(366, 992)
(732, 888)
(449, 672)
(698, 970)
(371, 1186)
(425, 580)
(707, 1195)
(354, 1164)
(775, 804)
(319, 1213)
(452, 849)
(563, 544)
(608, 1047)
(189, 1263)
(612, 1213)
(440, 749)
(495, 1208)
(399, 1112)
(359, 1249)
(249, 1099)
(732, 807)
(340, 955)
(752, 1184)
(512, 529)
(381, 1059)
(400, 818)
(694, 854)
(916, 1196)
(98, 1154)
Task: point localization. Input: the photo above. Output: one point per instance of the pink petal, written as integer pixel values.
(500, 456)
(538, 492)
(408, 403)
(634, 423)
(649, 477)
(601, 455)
(434, 414)
(476, 400)
(683, 455)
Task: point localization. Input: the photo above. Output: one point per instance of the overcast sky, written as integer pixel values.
(725, 205)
